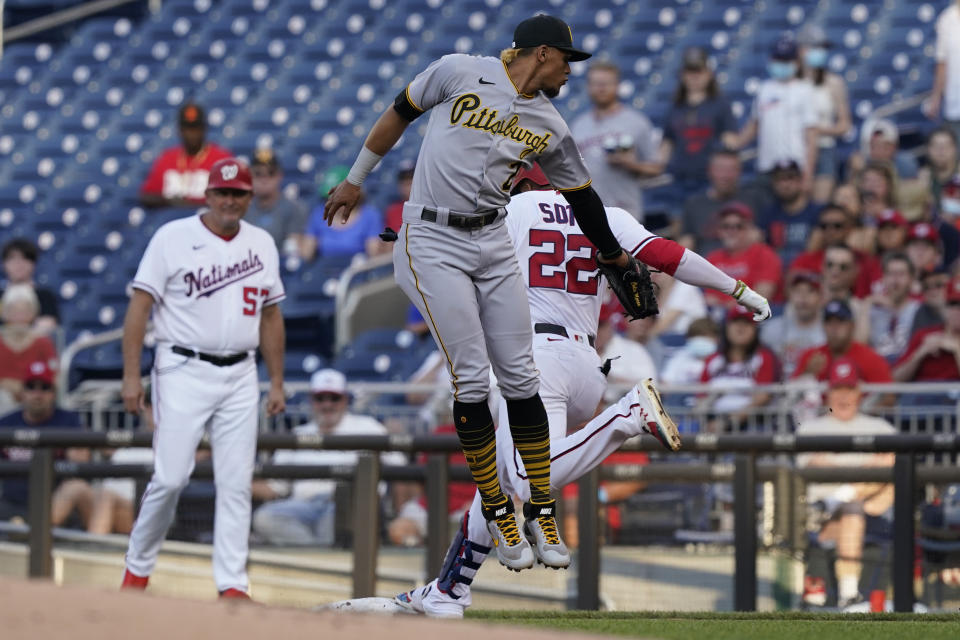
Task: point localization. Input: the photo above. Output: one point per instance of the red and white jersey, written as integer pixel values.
(556, 259)
(209, 291)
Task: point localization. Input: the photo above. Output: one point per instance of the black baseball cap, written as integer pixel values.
(265, 157)
(838, 309)
(548, 30)
(192, 115)
(695, 58)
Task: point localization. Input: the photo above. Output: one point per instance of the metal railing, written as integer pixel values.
(744, 472)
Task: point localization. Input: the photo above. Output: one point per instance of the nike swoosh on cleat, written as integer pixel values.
(482, 81)
(554, 339)
(197, 246)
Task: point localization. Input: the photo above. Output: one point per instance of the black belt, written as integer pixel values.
(557, 330)
(481, 219)
(220, 361)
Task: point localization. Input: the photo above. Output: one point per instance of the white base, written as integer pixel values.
(385, 606)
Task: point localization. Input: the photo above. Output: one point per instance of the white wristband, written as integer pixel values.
(366, 161)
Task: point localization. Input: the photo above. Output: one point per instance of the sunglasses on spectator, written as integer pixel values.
(327, 397)
(733, 227)
(930, 285)
(842, 266)
(953, 303)
(833, 225)
(38, 385)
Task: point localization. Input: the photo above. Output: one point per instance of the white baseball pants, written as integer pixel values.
(189, 396)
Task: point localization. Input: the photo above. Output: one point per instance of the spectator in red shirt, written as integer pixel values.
(834, 228)
(178, 177)
(923, 247)
(740, 364)
(838, 327)
(934, 354)
(20, 345)
(743, 257)
(393, 216)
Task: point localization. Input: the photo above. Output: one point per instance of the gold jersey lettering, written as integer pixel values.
(474, 115)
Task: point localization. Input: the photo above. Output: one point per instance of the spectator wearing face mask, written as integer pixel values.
(784, 118)
(831, 104)
(686, 365)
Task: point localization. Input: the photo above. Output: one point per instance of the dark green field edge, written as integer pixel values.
(519, 615)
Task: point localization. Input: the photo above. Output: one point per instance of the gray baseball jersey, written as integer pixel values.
(482, 132)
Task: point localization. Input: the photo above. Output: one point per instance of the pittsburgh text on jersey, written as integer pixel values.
(486, 120)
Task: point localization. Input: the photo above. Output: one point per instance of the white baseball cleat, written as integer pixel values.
(655, 419)
(431, 601)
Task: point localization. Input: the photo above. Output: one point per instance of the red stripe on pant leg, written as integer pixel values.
(606, 424)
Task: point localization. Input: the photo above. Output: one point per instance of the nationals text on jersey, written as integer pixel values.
(221, 276)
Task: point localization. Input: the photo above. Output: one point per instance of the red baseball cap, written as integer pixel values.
(739, 312)
(843, 373)
(230, 173)
(534, 174)
(924, 231)
(953, 290)
(39, 371)
(892, 217)
(802, 275)
(737, 209)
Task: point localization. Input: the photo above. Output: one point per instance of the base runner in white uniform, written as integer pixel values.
(565, 298)
(212, 282)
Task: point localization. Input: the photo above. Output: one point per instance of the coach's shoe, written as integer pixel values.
(432, 601)
(540, 530)
(133, 582)
(513, 551)
(234, 594)
(656, 421)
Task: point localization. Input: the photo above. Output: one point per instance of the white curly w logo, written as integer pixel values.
(229, 172)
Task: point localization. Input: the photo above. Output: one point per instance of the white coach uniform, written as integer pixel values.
(208, 296)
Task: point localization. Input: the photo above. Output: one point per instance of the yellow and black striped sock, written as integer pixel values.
(531, 437)
(478, 440)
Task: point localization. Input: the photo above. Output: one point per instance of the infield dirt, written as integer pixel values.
(39, 610)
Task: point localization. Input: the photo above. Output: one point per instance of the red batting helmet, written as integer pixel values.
(535, 175)
(230, 173)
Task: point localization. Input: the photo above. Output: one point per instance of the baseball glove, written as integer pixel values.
(632, 286)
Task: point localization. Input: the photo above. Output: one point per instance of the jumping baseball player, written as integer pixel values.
(212, 283)
(490, 119)
(565, 299)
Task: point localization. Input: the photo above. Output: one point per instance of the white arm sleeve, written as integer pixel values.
(695, 270)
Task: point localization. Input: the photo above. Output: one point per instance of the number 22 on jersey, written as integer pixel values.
(568, 278)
